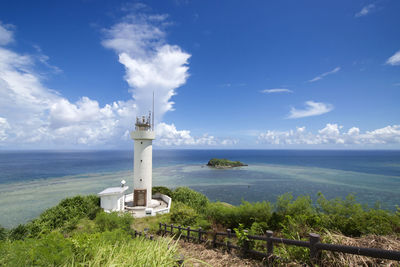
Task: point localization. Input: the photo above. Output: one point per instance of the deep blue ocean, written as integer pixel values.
(31, 181)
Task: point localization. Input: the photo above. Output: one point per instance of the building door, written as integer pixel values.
(139, 197)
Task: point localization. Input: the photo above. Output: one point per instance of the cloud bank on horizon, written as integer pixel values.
(331, 134)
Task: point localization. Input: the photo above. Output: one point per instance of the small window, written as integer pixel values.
(141, 143)
(141, 160)
(140, 179)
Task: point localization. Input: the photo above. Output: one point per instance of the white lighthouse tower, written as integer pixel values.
(143, 137)
(141, 202)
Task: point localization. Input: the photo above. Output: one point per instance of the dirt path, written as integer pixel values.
(211, 257)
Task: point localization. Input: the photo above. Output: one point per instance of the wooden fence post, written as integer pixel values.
(180, 231)
(199, 235)
(314, 252)
(188, 233)
(165, 228)
(270, 244)
(135, 233)
(172, 229)
(246, 245)
(215, 240)
(228, 242)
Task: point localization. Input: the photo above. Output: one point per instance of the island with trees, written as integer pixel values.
(224, 163)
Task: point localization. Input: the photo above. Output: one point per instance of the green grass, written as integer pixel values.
(113, 248)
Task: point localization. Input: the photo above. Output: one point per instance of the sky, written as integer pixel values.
(225, 74)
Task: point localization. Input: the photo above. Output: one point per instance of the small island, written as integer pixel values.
(224, 163)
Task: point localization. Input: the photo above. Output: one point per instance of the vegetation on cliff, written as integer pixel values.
(336, 220)
(224, 163)
(77, 232)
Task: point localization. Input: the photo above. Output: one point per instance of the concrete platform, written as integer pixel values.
(158, 206)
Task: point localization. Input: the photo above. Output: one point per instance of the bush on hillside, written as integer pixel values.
(352, 219)
(19, 232)
(64, 216)
(183, 214)
(3, 233)
(110, 221)
(162, 189)
(246, 213)
(297, 217)
(192, 198)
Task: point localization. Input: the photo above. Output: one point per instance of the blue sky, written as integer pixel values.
(226, 74)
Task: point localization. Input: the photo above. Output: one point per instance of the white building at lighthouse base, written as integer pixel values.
(114, 199)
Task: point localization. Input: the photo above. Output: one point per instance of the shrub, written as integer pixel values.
(223, 214)
(193, 199)
(3, 233)
(246, 213)
(110, 221)
(259, 228)
(183, 214)
(67, 213)
(18, 233)
(162, 189)
(241, 235)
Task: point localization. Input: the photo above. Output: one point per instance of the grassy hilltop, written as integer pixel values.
(77, 232)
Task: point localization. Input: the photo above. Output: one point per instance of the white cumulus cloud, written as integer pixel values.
(365, 10)
(320, 77)
(168, 135)
(6, 35)
(33, 114)
(332, 133)
(4, 126)
(151, 64)
(276, 90)
(312, 109)
(394, 60)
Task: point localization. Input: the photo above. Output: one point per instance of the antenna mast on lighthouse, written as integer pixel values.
(152, 119)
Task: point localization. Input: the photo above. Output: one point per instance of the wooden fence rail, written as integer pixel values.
(314, 243)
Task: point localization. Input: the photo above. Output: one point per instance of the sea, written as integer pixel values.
(32, 181)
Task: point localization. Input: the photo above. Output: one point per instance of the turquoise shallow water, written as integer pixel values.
(30, 182)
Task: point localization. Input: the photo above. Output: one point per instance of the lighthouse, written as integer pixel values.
(143, 137)
(141, 202)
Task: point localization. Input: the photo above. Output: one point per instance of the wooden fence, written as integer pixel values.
(314, 244)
